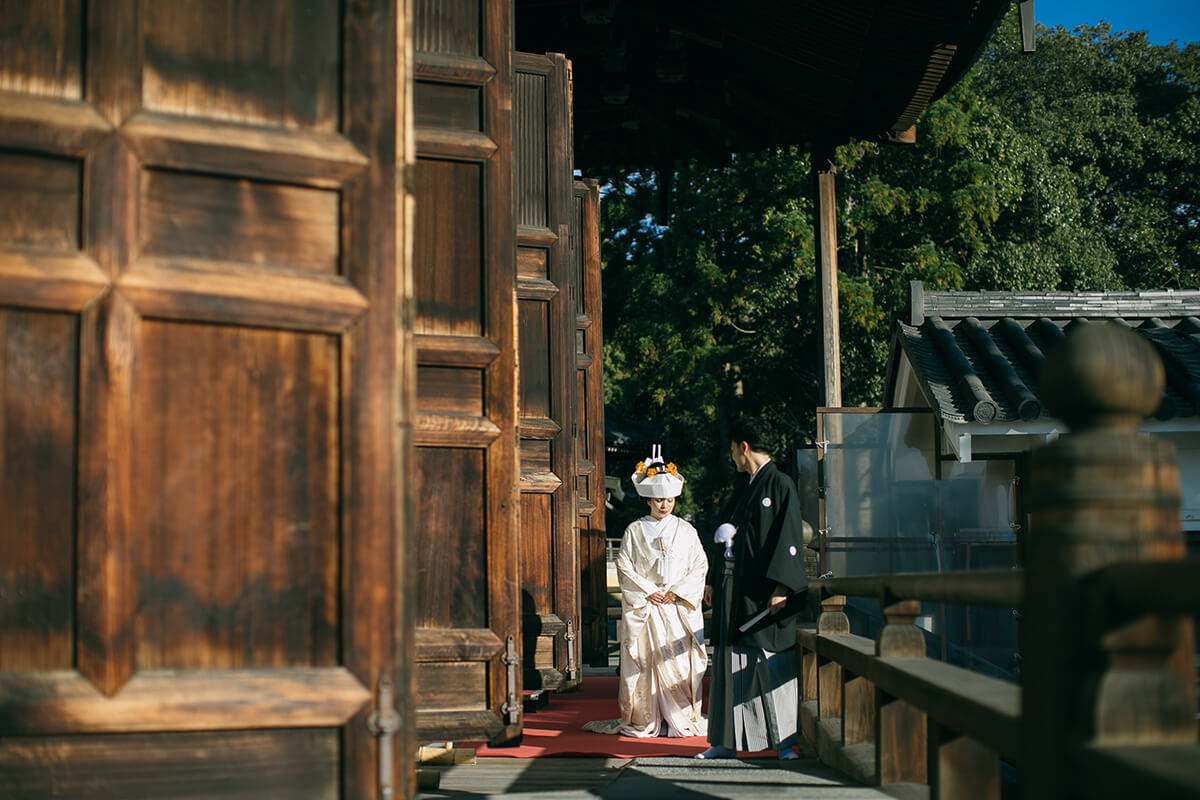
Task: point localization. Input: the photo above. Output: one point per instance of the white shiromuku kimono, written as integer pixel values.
(662, 650)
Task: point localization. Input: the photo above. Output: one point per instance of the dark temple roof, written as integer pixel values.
(977, 354)
(659, 80)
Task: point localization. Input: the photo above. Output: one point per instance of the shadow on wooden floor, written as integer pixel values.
(653, 778)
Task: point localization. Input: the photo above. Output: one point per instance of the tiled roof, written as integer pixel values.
(978, 353)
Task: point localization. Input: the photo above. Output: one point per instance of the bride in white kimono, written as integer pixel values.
(661, 568)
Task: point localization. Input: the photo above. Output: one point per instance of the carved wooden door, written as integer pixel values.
(199, 269)
(589, 421)
(549, 547)
(467, 603)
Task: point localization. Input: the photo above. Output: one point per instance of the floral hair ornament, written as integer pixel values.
(656, 478)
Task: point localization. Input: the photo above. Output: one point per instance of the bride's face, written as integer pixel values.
(660, 506)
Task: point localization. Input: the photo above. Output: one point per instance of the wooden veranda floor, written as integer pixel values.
(655, 778)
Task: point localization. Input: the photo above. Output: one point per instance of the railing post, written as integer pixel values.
(857, 700)
(819, 677)
(832, 620)
(1103, 493)
(960, 767)
(899, 726)
(808, 688)
(808, 674)
(858, 709)
(1140, 699)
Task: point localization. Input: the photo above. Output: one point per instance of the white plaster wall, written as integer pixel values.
(1187, 444)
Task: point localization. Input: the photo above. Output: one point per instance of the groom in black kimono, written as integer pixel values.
(760, 584)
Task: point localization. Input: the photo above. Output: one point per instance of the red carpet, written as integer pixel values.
(557, 729)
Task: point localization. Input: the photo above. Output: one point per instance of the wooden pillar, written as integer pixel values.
(1102, 494)
(825, 240)
(899, 726)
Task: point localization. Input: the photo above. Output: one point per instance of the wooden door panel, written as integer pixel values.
(452, 573)
(589, 421)
(42, 264)
(248, 576)
(216, 218)
(467, 602)
(539, 348)
(450, 688)
(42, 197)
(200, 262)
(537, 547)
(549, 545)
(449, 248)
(451, 390)
(279, 67)
(38, 389)
(41, 50)
(231, 764)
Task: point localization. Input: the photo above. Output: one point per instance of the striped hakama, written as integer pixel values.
(754, 698)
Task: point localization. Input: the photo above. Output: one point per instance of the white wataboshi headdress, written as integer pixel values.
(653, 478)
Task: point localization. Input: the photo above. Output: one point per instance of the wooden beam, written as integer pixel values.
(64, 701)
(983, 707)
(1168, 771)
(986, 709)
(1000, 588)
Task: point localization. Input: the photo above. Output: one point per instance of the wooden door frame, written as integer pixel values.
(561, 623)
(487, 76)
(590, 460)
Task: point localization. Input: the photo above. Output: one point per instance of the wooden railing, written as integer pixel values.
(1106, 703)
(883, 713)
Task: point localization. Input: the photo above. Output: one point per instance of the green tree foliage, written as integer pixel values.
(1073, 168)
(712, 305)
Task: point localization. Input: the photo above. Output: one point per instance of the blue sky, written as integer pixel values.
(1164, 20)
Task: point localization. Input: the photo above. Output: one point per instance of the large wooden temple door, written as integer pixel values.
(589, 421)
(467, 601)
(549, 547)
(200, 260)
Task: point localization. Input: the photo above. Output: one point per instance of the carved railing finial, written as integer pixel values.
(1105, 494)
(1102, 375)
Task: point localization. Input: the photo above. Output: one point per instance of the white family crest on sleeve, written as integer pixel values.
(766, 502)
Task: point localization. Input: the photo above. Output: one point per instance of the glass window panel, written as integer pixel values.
(885, 512)
(880, 502)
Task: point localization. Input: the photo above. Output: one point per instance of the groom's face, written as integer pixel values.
(739, 453)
